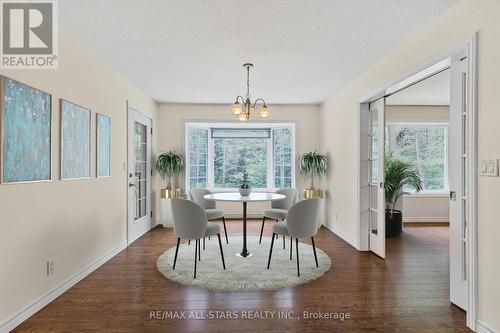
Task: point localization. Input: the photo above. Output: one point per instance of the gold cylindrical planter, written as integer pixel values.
(313, 193)
(169, 193)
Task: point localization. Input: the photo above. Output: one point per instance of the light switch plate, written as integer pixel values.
(488, 168)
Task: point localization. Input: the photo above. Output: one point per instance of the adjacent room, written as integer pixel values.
(227, 166)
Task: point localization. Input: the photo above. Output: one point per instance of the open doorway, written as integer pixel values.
(426, 118)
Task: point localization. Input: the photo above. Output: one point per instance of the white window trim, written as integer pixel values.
(210, 152)
(429, 193)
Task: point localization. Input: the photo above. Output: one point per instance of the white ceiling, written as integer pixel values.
(432, 91)
(191, 51)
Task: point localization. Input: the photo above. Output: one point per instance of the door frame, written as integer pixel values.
(470, 46)
(128, 106)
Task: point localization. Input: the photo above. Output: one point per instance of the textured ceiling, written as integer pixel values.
(191, 51)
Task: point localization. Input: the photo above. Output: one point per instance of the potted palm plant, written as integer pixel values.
(398, 174)
(169, 165)
(312, 164)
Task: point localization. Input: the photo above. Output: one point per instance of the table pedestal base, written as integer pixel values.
(244, 253)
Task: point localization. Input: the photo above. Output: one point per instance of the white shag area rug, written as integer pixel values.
(243, 274)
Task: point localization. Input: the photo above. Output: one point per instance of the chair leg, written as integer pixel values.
(291, 240)
(199, 250)
(283, 242)
(314, 249)
(225, 230)
(221, 253)
(262, 229)
(203, 243)
(195, 256)
(270, 251)
(297, 250)
(176, 251)
(189, 242)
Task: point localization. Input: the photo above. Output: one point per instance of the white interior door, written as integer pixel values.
(457, 141)
(376, 179)
(139, 174)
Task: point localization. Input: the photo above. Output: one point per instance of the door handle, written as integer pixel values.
(131, 184)
(453, 195)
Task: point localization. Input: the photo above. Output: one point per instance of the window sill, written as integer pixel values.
(427, 195)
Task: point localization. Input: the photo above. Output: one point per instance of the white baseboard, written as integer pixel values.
(426, 219)
(38, 304)
(483, 328)
(342, 235)
(135, 237)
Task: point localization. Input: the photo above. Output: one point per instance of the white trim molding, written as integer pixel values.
(426, 219)
(483, 328)
(42, 301)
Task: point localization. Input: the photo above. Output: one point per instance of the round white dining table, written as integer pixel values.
(237, 197)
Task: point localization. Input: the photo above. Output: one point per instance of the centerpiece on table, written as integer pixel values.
(245, 188)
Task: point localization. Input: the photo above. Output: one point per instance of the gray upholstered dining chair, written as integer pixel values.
(302, 220)
(279, 208)
(190, 222)
(212, 212)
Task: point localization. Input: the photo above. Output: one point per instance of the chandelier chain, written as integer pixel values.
(248, 82)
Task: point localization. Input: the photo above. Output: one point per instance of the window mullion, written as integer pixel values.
(210, 162)
(270, 162)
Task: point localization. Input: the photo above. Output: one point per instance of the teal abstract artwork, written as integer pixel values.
(103, 145)
(75, 141)
(26, 127)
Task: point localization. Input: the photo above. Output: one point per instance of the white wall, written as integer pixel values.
(339, 136)
(417, 114)
(74, 222)
(172, 117)
(426, 208)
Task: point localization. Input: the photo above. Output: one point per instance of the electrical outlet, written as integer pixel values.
(51, 266)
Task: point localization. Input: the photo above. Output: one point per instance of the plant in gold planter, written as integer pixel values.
(169, 165)
(312, 164)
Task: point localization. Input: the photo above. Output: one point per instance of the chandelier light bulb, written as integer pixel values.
(242, 117)
(236, 108)
(264, 112)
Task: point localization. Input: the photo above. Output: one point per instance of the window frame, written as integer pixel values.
(230, 125)
(445, 125)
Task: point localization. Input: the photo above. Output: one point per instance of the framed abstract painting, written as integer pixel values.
(103, 146)
(25, 133)
(75, 141)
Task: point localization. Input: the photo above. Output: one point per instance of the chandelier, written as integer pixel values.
(242, 107)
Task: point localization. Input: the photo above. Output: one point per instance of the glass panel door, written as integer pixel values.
(141, 176)
(376, 177)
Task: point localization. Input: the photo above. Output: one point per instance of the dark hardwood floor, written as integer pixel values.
(408, 292)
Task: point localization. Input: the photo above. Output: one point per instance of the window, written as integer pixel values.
(424, 146)
(218, 155)
(282, 151)
(197, 157)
